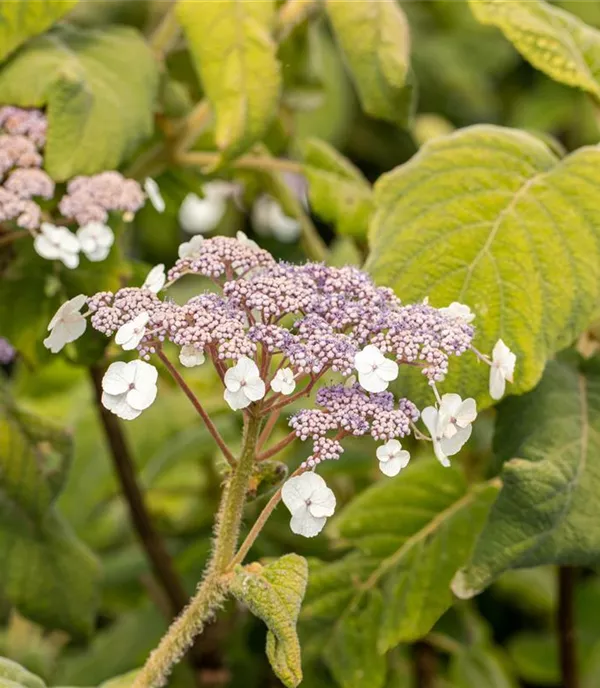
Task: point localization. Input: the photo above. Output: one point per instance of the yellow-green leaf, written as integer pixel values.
(556, 42)
(274, 593)
(15, 674)
(22, 19)
(235, 57)
(490, 217)
(338, 191)
(375, 41)
(99, 87)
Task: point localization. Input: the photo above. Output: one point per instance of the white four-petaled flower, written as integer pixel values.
(131, 333)
(310, 502)
(95, 240)
(201, 215)
(392, 458)
(268, 218)
(129, 388)
(156, 278)
(153, 192)
(375, 371)
(190, 356)
(67, 325)
(243, 384)
(503, 368)
(284, 382)
(450, 425)
(458, 311)
(189, 248)
(57, 243)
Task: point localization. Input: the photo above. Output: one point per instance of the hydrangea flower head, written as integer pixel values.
(310, 502)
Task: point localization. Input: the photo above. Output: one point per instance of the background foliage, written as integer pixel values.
(451, 148)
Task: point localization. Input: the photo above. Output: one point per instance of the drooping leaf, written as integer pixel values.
(11, 672)
(375, 41)
(338, 191)
(554, 41)
(99, 87)
(21, 20)
(489, 216)
(46, 572)
(274, 593)
(547, 511)
(235, 57)
(410, 534)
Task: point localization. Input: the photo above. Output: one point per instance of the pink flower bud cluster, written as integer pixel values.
(22, 135)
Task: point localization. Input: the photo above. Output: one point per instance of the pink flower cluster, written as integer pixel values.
(311, 319)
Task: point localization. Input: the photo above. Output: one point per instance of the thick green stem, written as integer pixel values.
(211, 591)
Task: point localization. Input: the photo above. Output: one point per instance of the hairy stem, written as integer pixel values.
(162, 564)
(565, 623)
(198, 406)
(212, 590)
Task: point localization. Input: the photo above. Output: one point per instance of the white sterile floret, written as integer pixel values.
(96, 240)
(190, 356)
(67, 325)
(57, 243)
(156, 278)
(375, 371)
(153, 192)
(189, 248)
(310, 502)
(129, 388)
(503, 368)
(241, 237)
(284, 382)
(458, 311)
(392, 458)
(450, 425)
(268, 218)
(201, 215)
(243, 384)
(131, 334)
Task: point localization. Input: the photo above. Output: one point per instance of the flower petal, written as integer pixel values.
(394, 465)
(118, 405)
(387, 369)
(453, 445)
(322, 502)
(430, 416)
(372, 382)
(236, 400)
(497, 382)
(153, 192)
(305, 524)
(117, 378)
(255, 389)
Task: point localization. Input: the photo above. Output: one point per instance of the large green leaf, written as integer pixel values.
(235, 57)
(547, 511)
(274, 593)
(46, 572)
(21, 20)
(375, 41)
(490, 216)
(410, 535)
(99, 86)
(554, 41)
(338, 191)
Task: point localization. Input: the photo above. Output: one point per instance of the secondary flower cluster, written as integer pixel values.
(87, 201)
(273, 331)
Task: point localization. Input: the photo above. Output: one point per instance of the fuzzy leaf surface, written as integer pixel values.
(489, 216)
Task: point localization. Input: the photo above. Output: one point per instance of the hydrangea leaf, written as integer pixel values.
(374, 39)
(274, 594)
(478, 665)
(338, 191)
(410, 535)
(15, 674)
(99, 87)
(547, 511)
(235, 57)
(554, 41)
(21, 20)
(488, 216)
(46, 572)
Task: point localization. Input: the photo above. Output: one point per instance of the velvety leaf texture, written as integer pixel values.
(556, 42)
(547, 511)
(46, 572)
(489, 216)
(338, 191)
(274, 593)
(410, 535)
(235, 57)
(375, 41)
(21, 20)
(99, 87)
